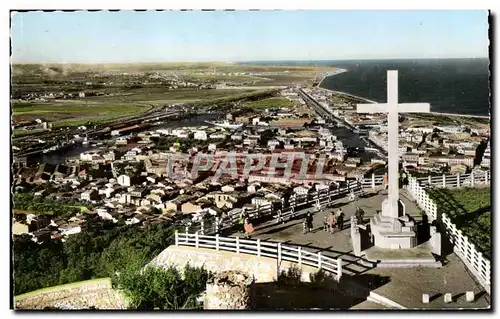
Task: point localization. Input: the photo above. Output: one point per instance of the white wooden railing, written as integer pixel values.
(374, 182)
(256, 247)
(477, 264)
(457, 180)
(296, 207)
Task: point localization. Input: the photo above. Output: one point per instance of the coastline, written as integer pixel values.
(375, 102)
(339, 92)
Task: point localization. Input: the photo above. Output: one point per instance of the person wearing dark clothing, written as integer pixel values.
(309, 222)
(340, 221)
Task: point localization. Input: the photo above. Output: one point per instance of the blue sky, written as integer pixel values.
(246, 35)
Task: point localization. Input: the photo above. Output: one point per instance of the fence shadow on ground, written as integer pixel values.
(327, 294)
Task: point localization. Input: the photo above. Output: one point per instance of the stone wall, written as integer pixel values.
(91, 294)
(263, 269)
(229, 290)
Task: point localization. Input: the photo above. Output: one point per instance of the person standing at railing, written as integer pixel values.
(331, 221)
(340, 220)
(248, 227)
(386, 181)
(280, 217)
(405, 180)
(241, 220)
(325, 224)
(309, 222)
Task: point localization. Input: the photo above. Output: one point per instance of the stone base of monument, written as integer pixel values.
(390, 232)
(393, 233)
(419, 256)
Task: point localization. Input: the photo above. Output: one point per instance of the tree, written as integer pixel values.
(159, 288)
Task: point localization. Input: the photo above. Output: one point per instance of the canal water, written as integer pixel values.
(61, 156)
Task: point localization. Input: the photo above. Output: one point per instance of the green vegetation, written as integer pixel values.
(75, 106)
(275, 102)
(291, 276)
(470, 210)
(112, 252)
(104, 109)
(20, 133)
(163, 289)
(241, 97)
(41, 205)
(118, 90)
(93, 253)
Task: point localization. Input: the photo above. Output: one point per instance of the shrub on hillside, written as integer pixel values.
(164, 289)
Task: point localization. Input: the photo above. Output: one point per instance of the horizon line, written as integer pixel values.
(248, 61)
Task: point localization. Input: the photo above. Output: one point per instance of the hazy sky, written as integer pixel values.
(151, 36)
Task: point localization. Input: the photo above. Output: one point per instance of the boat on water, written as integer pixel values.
(226, 124)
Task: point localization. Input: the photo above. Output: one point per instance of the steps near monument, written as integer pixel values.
(420, 256)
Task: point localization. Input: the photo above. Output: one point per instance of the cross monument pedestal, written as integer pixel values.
(392, 228)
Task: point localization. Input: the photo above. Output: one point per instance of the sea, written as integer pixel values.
(458, 86)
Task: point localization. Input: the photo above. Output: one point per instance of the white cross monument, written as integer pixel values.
(387, 228)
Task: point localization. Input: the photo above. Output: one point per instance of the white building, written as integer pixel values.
(236, 137)
(273, 143)
(301, 190)
(110, 156)
(121, 141)
(217, 136)
(200, 135)
(260, 201)
(123, 180)
(89, 195)
(70, 230)
(90, 157)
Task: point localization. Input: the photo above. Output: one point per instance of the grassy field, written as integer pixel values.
(128, 89)
(470, 210)
(101, 109)
(275, 102)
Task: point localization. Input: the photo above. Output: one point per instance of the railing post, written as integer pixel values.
(299, 252)
(216, 241)
(187, 230)
(196, 239)
(373, 181)
(176, 238)
(237, 245)
(444, 181)
(319, 260)
(258, 247)
(217, 224)
(339, 268)
(429, 178)
(202, 225)
(458, 180)
(472, 178)
(279, 252)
